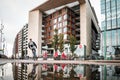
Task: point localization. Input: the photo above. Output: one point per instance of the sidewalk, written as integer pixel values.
(94, 62)
(2, 62)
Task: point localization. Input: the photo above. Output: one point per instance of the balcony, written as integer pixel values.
(77, 35)
(77, 29)
(77, 24)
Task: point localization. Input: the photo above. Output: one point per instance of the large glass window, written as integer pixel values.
(118, 3)
(118, 36)
(118, 12)
(109, 24)
(103, 11)
(114, 37)
(102, 6)
(102, 1)
(114, 23)
(113, 11)
(108, 5)
(113, 3)
(108, 38)
(109, 15)
(113, 8)
(118, 22)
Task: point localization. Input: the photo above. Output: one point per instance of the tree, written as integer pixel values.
(55, 43)
(61, 43)
(55, 40)
(72, 44)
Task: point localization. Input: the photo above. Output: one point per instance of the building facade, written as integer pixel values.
(110, 25)
(15, 47)
(75, 17)
(21, 43)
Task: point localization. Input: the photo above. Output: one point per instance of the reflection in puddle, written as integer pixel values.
(17, 71)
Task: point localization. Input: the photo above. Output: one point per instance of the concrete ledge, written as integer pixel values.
(88, 62)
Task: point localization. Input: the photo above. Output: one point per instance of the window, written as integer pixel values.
(65, 16)
(114, 23)
(59, 25)
(118, 22)
(54, 26)
(60, 19)
(55, 21)
(118, 36)
(65, 36)
(108, 4)
(113, 3)
(109, 24)
(109, 14)
(102, 6)
(113, 11)
(114, 37)
(60, 31)
(118, 3)
(65, 23)
(65, 29)
(108, 38)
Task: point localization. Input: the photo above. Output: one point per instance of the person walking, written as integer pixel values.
(32, 45)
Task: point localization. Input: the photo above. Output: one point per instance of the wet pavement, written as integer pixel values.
(57, 71)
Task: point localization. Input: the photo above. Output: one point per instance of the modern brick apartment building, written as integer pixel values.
(76, 17)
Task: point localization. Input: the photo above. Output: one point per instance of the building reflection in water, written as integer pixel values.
(20, 71)
(26, 71)
(32, 75)
(64, 72)
(6, 71)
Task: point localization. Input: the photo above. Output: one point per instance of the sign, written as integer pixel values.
(81, 50)
(80, 46)
(111, 50)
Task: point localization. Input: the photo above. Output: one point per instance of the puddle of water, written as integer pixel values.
(17, 71)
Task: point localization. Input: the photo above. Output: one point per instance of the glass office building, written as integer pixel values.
(110, 24)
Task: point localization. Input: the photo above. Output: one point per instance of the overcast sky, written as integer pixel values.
(14, 14)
